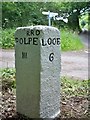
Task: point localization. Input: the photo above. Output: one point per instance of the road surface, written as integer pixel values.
(73, 64)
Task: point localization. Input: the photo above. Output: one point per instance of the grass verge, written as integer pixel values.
(8, 78)
(72, 87)
(69, 87)
(70, 41)
(7, 40)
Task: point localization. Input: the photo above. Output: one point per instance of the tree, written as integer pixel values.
(73, 10)
(15, 14)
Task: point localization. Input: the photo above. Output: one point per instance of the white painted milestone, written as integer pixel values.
(38, 66)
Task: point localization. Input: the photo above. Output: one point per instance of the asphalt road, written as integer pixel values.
(85, 38)
(73, 64)
(7, 58)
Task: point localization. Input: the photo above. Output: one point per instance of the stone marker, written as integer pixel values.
(37, 61)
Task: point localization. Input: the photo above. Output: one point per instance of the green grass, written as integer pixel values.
(7, 40)
(69, 86)
(8, 77)
(72, 87)
(70, 41)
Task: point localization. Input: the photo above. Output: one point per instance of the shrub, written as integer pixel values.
(7, 38)
(8, 78)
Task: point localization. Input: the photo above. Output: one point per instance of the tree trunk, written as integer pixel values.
(74, 21)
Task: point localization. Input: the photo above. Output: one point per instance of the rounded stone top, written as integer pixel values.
(39, 27)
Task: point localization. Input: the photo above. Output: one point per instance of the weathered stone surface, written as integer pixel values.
(37, 62)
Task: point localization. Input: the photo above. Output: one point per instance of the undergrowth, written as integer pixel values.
(69, 86)
(73, 87)
(8, 78)
(7, 40)
(70, 41)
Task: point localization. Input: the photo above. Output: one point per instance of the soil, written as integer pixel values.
(71, 107)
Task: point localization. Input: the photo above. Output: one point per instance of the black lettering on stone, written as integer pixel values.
(25, 41)
(54, 41)
(32, 32)
(29, 39)
(37, 32)
(35, 41)
(24, 55)
(58, 41)
(49, 41)
(28, 33)
(16, 39)
(21, 41)
(43, 43)
(51, 57)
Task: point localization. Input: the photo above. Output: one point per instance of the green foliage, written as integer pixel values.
(72, 10)
(84, 21)
(8, 78)
(70, 41)
(18, 14)
(69, 86)
(72, 87)
(7, 40)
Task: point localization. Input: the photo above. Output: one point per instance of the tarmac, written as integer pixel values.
(73, 64)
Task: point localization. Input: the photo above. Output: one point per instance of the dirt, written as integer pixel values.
(71, 107)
